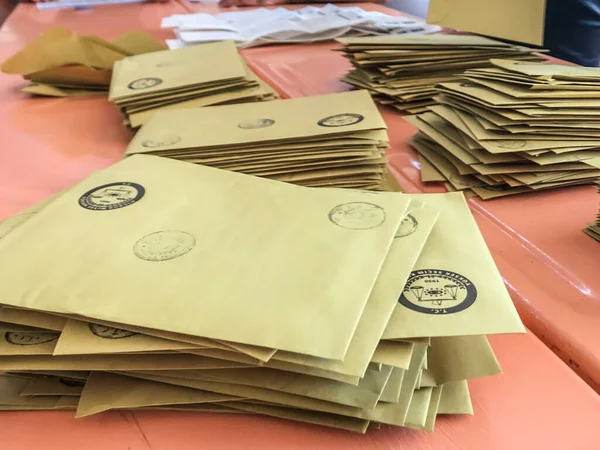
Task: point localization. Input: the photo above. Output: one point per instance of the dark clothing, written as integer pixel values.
(572, 31)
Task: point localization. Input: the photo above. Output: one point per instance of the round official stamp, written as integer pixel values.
(71, 382)
(437, 292)
(464, 180)
(29, 337)
(109, 332)
(144, 83)
(341, 120)
(161, 142)
(407, 227)
(357, 215)
(164, 245)
(256, 123)
(512, 144)
(112, 196)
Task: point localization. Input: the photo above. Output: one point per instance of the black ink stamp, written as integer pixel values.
(341, 120)
(255, 123)
(29, 337)
(161, 142)
(112, 196)
(434, 291)
(144, 83)
(357, 215)
(164, 245)
(407, 227)
(109, 332)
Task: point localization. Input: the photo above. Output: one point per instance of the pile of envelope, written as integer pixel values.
(515, 128)
(60, 63)
(159, 284)
(204, 75)
(593, 229)
(331, 140)
(402, 71)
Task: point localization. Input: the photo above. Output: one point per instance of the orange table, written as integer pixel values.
(48, 144)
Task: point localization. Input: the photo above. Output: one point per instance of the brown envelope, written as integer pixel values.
(391, 392)
(105, 391)
(432, 411)
(456, 399)
(43, 385)
(110, 362)
(32, 318)
(81, 338)
(315, 417)
(27, 342)
(460, 358)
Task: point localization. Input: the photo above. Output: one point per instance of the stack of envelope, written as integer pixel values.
(201, 289)
(593, 229)
(402, 71)
(514, 128)
(331, 140)
(60, 63)
(203, 75)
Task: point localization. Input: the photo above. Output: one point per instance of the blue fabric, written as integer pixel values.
(572, 31)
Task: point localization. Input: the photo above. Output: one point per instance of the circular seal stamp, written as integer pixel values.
(164, 245)
(255, 123)
(341, 120)
(29, 337)
(112, 196)
(144, 83)
(109, 332)
(407, 227)
(511, 143)
(437, 292)
(465, 180)
(357, 215)
(161, 142)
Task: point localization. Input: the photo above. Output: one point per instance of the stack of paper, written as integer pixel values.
(211, 74)
(201, 289)
(402, 71)
(514, 128)
(284, 26)
(60, 63)
(593, 229)
(331, 140)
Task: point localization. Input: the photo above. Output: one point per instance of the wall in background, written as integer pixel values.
(415, 7)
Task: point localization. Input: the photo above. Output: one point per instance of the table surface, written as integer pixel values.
(539, 402)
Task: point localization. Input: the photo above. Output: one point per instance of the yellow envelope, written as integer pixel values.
(171, 69)
(448, 295)
(258, 123)
(348, 223)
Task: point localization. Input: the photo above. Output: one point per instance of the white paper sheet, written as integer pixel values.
(280, 25)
